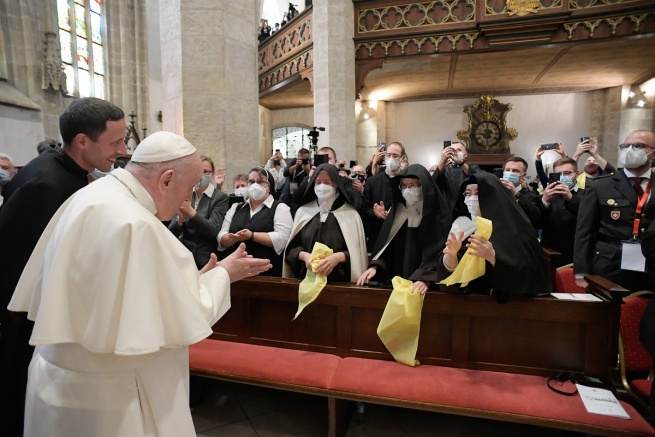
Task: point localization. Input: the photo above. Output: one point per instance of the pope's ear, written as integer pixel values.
(166, 178)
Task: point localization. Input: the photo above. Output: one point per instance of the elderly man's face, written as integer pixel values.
(6, 166)
(179, 188)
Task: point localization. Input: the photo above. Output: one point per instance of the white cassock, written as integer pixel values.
(116, 300)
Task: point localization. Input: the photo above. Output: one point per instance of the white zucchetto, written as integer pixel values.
(162, 146)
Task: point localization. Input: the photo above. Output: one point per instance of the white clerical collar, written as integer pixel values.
(630, 174)
(414, 214)
(135, 188)
(209, 191)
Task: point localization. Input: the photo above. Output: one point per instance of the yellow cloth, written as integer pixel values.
(401, 321)
(582, 180)
(471, 267)
(311, 286)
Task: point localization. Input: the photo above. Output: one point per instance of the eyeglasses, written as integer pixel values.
(634, 146)
(250, 182)
(208, 172)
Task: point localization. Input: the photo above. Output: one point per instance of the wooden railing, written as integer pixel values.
(287, 52)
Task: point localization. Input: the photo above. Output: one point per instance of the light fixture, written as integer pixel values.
(641, 103)
(631, 94)
(367, 112)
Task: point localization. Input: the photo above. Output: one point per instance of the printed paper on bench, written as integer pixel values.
(599, 401)
(576, 296)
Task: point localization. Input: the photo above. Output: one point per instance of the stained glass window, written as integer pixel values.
(290, 140)
(82, 52)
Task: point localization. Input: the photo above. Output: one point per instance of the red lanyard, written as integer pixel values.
(640, 206)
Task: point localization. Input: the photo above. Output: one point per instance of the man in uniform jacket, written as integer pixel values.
(93, 131)
(607, 216)
(559, 210)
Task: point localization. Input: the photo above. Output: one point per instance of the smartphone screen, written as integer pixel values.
(447, 144)
(583, 139)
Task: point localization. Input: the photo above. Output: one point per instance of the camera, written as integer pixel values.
(313, 135)
(359, 177)
(305, 161)
(549, 146)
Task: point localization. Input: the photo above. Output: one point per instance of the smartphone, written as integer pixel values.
(553, 177)
(353, 163)
(583, 139)
(382, 145)
(235, 199)
(447, 144)
(321, 159)
(498, 172)
(550, 146)
(277, 150)
(359, 177)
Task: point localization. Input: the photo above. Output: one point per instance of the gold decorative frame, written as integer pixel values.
(489, 105)
(489, 10)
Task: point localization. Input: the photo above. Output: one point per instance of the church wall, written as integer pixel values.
(154, 65)
(293, 117)
(22, 130)
(423, 126)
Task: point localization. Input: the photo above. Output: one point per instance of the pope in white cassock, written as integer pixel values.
(116, 299)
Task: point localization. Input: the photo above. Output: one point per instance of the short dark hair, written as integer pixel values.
(518, 159)
(43, 146)
(564, 161)
(330, 149)
(88, 116)
(208, 159)
(303, 150)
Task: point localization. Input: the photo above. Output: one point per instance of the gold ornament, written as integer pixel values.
(522, 7)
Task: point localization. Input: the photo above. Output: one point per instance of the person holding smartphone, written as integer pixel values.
(275, 166)
(595, 165)
(452, 171)
(295, 172)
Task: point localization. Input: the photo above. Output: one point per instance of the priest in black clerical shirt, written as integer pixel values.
(413, 234)
(326, 216)
(515, 262)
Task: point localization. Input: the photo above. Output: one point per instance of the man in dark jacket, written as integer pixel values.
(295, 172)
(93, 132)
(559, 210)
(452, 171)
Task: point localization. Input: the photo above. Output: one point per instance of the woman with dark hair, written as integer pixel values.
(198, 221)
(261, 222)
(515, 262)
(326, 216)
(413, 234)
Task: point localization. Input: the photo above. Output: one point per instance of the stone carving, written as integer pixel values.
(413, 15)
(420, 42)
(612, 22)
(52, 75)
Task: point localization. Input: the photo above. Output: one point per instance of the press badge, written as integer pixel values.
(632, 258)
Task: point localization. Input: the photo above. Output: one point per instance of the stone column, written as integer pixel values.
(334, 75)
(209, 79)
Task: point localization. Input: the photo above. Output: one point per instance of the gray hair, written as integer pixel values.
(8, 158)
(152, 170)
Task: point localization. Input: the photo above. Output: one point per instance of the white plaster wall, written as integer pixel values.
(423, 126)
(154, 65)
(22, 130)
(293, 117)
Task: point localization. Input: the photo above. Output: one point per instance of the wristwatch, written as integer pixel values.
(252, 236)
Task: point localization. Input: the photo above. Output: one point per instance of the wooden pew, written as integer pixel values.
(532, 336)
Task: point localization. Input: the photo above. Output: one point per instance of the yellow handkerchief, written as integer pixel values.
(471, 267)
(311, 286)
(401, 320)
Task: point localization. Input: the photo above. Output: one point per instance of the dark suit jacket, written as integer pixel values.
(559, 223)
(530, 201)
(607, 212)
(377, 189)
(451, 180)
(199, 233)
(296, 177)
(31, 199)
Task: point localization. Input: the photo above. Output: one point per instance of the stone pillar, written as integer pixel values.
(209, 79)
(334, 75)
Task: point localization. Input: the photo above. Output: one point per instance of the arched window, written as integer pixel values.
(290, 139)
(82, 52)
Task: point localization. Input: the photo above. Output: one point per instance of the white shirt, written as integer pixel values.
(414, 214)
(278, 175)
(644, 180)
(282, 223)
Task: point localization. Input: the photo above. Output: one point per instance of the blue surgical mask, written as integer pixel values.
(512, 177)
(4, 177)
(568, 180)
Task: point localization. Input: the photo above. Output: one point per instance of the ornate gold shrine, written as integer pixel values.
(487, 132)
(522, 7)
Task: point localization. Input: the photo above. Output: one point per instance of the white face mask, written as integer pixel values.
(633, 158)
(473, 205)
(392, 164)
(256, 192)
(204, 182)
(413, 195)
(324, 192)
(403, 166)
(241, 192)
(460, 157)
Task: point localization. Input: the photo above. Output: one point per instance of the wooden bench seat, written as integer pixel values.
(477, 393)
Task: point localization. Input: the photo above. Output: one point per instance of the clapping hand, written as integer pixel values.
(379, 211)
(240, 265)
(242, 235)
(480, 246)
(219, 177)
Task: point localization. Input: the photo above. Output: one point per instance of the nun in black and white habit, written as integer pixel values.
(514, 259)
(326, 216)
(414, 233)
